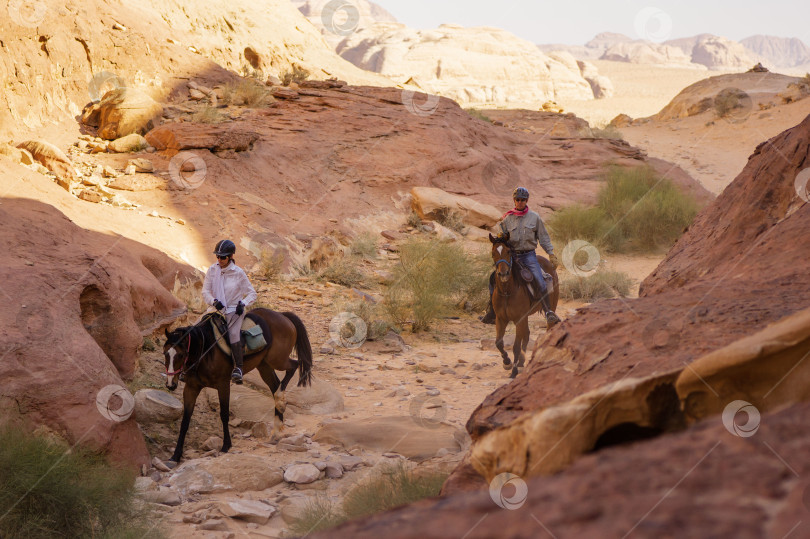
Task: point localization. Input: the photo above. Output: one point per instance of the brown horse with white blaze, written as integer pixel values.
(512, 302)
(194, 352)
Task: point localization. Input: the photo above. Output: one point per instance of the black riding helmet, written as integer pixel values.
(225, 248)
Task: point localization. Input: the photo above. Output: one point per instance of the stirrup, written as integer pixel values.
(488, 318)
(236, 375)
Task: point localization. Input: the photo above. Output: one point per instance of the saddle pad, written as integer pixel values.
(223, 344)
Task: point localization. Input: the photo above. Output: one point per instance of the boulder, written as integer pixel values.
(139, 182)
(317, 399)
(123, 111)
(190, 136)
(155, 406)
(402, 435)
(622, 120)
(230, 472)
(164, 496)
(51, 158)
(301, 473)
(90, 195)
(249, 510)
(333, 470)
(141, 165)
(250, 405)
(129, 143)
(429, 202)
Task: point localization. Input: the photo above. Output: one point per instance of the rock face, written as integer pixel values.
(778, 51)
(72, 342)
(51, 158)
(697, 301)
(335, 20)
(429, 202)
(121, 112)
(187, 136)
(468, 65)
(645, 52)
(702, 480)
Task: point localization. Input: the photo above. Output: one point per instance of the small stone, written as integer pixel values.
(260, 430)
(90, 196)
(215, 524)
(334, 470)
(249, 510)
(157, 463)
(130, 170)
(446, 370)
(214, 443)
(433, 392)
(142, 165)
(301, 473)
(327, 349)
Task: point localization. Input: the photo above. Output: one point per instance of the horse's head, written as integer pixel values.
(175, 353)
(502, 256)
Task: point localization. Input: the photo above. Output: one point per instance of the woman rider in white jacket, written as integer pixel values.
(228, 289)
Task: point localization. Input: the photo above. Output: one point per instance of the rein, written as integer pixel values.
(188, 349)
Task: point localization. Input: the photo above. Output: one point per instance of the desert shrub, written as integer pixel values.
(432, 279)
(727, 100)
(208, 115)
(394, 486)
(475, 113)
(364, 245)
(50, 490)
(373, 315)
(319, 514)
(246, 92)
(414, 220)
(608, 132)
(296, 74)
(454, 220)
(271, 264)
(599, 285)
(343, 271)
(637, 209)
(148, 345)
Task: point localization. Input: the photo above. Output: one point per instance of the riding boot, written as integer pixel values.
(489, 317)
(236, 353)
(551, 317)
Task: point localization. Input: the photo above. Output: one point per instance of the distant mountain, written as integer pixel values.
(779, 51)
(337, 20)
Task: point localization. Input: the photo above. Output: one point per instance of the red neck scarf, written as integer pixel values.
(515, 211)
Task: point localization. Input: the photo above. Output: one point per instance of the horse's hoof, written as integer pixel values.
(507, 365)
(171, 464)
(225, 449)
(514, 374)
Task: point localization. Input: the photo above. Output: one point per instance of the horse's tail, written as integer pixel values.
(303, 349)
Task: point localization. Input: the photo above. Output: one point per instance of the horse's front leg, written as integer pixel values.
(190, 393)
(521, 341)
(500, 330)
(224, 392)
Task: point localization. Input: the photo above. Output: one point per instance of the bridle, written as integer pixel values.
(188, 352)
(508, 263)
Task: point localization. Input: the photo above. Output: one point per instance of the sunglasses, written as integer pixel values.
(222, 257)
(521, 199)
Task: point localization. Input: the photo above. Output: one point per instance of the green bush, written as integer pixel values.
(727, 100)
(599, 285)
(376, 323)
(451, 219)
(208, 115)
(414, 220)
(50, 490)
(637, 209)
(392, 487)
(271, 264)
(432, 279)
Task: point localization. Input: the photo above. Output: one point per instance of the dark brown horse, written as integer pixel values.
(194, 352)
(512, 303)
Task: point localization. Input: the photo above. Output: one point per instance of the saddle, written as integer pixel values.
(528, 280)
(255, 334)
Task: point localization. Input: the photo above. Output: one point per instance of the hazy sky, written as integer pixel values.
(575, 22)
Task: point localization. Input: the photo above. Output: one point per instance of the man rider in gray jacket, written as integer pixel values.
(526, 230)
